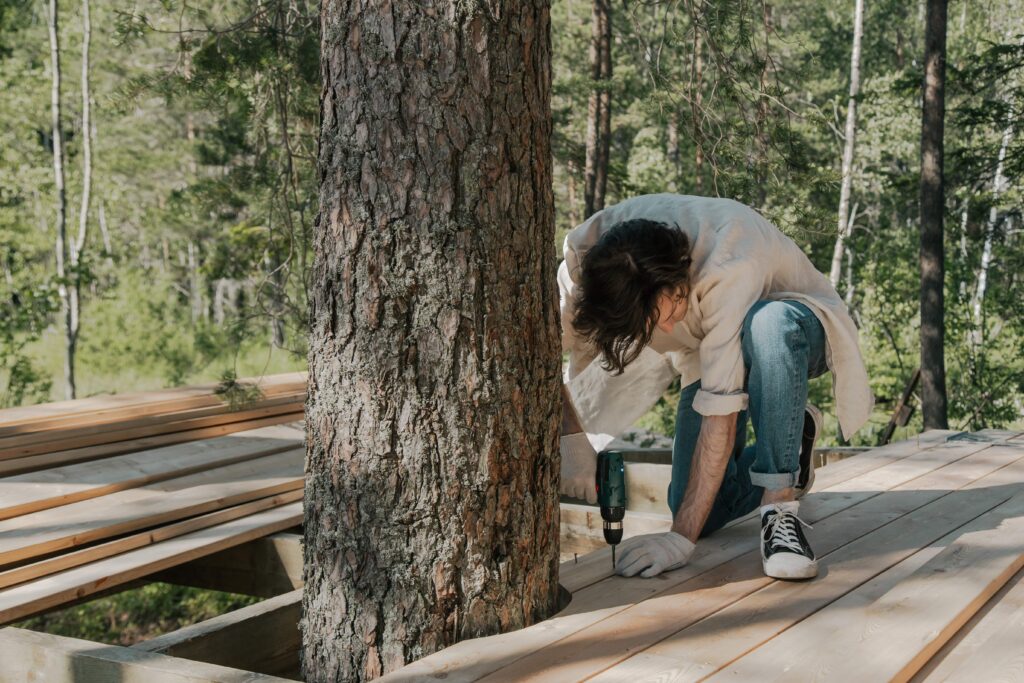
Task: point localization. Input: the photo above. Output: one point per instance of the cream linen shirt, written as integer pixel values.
(739, 258)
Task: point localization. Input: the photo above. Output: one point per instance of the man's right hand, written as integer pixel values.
(579, 467)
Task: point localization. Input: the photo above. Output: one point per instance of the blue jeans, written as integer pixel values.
(783, 346)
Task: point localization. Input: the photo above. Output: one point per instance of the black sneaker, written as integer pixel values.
(812, 428)
(785, 552)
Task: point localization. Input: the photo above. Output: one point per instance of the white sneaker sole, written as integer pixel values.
(790, 566)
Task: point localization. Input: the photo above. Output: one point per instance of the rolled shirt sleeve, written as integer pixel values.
(728, 292)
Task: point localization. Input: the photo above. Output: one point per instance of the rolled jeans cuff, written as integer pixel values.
(774, 481)
(707, 403)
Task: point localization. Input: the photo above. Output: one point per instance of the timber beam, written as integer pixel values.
(31, 656)
(263, 637)
(264, 567)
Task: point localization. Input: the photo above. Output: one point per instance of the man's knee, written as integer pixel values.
(768, 324)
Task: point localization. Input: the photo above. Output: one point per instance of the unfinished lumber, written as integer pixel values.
(901, 619)
(593, 602)
(34, 463)
(597, 566)
(263, 567)
(114, 433)
(988, 648)
(736, 608)
(689, 615)
(29, 598)
(68, 526)
(31, 656)
(26, 493)
(114, 406)
(263, 637)
(167, 421)
(77, 558)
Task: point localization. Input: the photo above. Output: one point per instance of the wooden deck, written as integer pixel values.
(921, 547)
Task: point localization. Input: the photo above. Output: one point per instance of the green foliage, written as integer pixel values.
(137, 614)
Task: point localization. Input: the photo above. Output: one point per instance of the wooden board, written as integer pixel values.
(263, 567)
(114, 406)
(68, 526)
(597, 600)
(30, 656)
(740, 609)
(114, 433)
(263, 637)
(716, 616)
(989, 647)
(77, 558)
(158, 423)
(49, 488)
(902, 619)
(26, 599)
(34, 463)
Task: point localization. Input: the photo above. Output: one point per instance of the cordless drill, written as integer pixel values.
(611, 495)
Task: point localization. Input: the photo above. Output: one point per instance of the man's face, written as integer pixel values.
(671, 309)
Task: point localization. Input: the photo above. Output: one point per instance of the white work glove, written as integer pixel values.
(579, 467)
(654, 553)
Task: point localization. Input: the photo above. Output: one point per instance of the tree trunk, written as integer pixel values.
(61, 247)
(433, 411)
(599, 119)
(998, 186)
(933, 324)
(696, 103)
(571, 168)
(845, 224)
(78, 244)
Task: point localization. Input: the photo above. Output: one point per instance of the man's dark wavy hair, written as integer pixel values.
(621, 278)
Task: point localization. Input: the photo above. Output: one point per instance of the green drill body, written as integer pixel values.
(611, 495)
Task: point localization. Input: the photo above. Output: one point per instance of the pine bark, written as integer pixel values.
(932, 200)
(431, 509)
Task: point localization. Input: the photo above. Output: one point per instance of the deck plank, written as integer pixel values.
(50, 488)
(601, 599)
(717, 605)
(901, 619)
(743, 624)
(30, 598)
(68, 526)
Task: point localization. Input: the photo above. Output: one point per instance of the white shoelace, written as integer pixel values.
(782, 530)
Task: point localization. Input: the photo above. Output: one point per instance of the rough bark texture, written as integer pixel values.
(933, 323)
(433, 412)
(599, 110)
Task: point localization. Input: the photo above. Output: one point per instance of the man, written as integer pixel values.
(707, 289)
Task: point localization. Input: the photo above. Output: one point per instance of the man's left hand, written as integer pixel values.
(652, 554)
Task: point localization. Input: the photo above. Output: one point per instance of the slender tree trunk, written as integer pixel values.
(598, 141)
(696, 103)
(998, 186)
(672, 149)
(850, 132)
(433, 412)
(61, 246)
(78, 244)
(574, 214)
(933, 323)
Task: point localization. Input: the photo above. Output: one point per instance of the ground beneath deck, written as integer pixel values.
(921, 549)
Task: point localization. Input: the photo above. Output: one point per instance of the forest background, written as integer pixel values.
(194, 241)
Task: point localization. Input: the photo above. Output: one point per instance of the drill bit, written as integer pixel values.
(613, 558)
